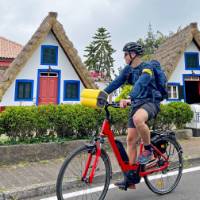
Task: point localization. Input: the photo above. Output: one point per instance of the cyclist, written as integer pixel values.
(145, 103)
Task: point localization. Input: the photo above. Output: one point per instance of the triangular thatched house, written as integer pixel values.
(179, 56)
(47, 70)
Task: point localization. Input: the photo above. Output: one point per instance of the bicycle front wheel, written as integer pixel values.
(165, 181)
(70, 184)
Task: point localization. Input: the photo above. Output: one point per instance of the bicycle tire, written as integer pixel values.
(105, 160)
(163, 191)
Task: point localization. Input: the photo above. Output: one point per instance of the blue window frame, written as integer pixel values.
(192, 61)
(71, 90)
(49, 55)
(173, 91)
(24, 90)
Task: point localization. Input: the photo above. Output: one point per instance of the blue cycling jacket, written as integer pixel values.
(143, 80)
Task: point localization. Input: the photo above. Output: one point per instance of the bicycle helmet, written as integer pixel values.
(135, 47)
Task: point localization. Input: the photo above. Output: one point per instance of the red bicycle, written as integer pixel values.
(88, 168)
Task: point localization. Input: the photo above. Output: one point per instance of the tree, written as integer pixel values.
(151, 42)
(99, 54)
(126, 89)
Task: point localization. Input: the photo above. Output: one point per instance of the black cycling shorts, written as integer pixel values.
(151, 108)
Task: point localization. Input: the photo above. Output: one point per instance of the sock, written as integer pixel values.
(148, 147)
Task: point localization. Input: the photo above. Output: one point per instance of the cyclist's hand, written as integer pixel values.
(124, 103)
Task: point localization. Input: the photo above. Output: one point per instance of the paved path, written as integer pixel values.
(38, 174)
(188, 188)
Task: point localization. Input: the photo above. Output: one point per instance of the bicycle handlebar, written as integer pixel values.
(114, 105)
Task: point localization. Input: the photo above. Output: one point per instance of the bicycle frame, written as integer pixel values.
(107, 132)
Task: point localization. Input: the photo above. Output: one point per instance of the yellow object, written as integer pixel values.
(148, 71)
(93, 98)
(160, 183)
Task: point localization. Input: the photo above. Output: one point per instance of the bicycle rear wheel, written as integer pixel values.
(165, 181)
(70, 184)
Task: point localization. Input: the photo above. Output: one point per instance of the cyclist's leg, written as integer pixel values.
(132, 155)
(142, 115)
(146, 112)
(132, 138)
(131, 151)
(139, 119)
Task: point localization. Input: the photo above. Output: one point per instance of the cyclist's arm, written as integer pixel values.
(142, 82)
(121, 79)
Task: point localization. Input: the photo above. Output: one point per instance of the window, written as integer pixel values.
(173, 91)
(49, 74)
(191, 60)
(49, 55)
(71, 90)
(24, 90)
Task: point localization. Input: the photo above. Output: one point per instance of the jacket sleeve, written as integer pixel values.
(119, 80)
(142, 82)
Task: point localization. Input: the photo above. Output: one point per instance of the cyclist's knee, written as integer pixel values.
(138, 121)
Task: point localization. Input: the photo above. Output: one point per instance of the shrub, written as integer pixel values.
(173, 114)
(18, 122)
(164, 119)
(44, 119)
(119, 119)
(183, 114)
(77, 121)
(63, 124)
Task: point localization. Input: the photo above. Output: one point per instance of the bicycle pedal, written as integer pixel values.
(121, 185)
(122, 188)
(153, 160)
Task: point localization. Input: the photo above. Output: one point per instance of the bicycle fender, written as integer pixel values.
(168, 134)
(92, 147)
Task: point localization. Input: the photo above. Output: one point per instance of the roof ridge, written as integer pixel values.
(170, 51)
(53, 14)
(192, 25)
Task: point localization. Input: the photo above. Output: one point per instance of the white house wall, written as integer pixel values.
(30, 71)
(177, 75)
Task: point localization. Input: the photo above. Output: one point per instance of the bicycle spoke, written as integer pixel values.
(166, 180)
(71, 177)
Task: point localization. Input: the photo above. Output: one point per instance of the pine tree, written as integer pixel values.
(99, 53)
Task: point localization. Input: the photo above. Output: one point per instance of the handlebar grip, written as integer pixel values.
(116, 105)
(129, 104)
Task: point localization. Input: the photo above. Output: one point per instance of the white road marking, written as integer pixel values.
(97, 189)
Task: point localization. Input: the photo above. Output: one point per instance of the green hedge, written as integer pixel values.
(173, 114)
(76, 121)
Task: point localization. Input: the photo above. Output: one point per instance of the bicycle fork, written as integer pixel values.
(94, 165)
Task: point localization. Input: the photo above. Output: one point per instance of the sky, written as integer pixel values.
(126, 20)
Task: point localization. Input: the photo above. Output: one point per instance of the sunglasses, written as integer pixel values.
(126, 54)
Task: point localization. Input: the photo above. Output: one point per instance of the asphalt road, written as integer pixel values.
(188, 189)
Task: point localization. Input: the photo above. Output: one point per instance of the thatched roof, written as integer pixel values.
(170, 52)
(50, 23)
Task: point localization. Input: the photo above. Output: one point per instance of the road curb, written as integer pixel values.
(49, 188)
(28, 192)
